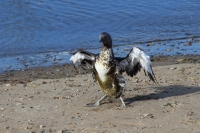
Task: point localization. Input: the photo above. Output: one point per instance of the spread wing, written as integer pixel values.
(136, 60)
(83, 58)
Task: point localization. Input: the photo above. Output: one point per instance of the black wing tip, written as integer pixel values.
(152, 77)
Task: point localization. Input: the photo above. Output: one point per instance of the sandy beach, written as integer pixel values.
(41, 92)
(44, 100)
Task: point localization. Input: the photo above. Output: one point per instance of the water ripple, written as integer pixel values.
(31, 27)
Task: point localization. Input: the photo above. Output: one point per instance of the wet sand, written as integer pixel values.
(67, 70)
(53, 99)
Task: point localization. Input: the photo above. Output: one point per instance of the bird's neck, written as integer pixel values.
(106, 54)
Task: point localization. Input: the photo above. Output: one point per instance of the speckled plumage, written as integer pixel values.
(108, 69)
(107, 74)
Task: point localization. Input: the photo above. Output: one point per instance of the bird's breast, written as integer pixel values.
(102, 69)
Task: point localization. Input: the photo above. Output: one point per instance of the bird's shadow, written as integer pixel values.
(164, 92)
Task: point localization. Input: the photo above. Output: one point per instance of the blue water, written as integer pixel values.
(38, 30)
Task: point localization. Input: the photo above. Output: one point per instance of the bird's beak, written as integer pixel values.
(102, 38)
(100, 41)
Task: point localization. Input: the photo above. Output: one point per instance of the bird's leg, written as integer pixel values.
(98, 102)
(123, 104)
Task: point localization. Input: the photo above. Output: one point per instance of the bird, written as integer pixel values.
(107, 70)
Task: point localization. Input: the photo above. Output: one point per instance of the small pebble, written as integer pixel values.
(61, 131)
(8, 85)
(173, 68)
(42, 126)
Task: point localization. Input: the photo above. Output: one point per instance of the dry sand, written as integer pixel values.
(58, 105)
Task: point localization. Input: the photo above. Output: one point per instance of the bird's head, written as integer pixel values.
(105, 39)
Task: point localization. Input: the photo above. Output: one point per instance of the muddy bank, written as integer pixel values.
(67, 70)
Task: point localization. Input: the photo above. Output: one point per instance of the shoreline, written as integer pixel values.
(156, 48)
(67, 70)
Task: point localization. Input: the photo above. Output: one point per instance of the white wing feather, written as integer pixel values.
(141, 57)
(79, 56)
(136, 60)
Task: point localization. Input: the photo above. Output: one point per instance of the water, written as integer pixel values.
(42, 32)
